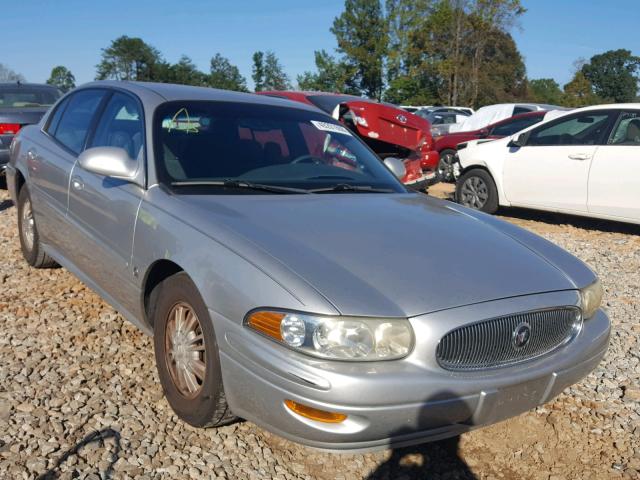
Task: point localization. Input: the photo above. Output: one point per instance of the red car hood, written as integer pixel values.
(390, 124)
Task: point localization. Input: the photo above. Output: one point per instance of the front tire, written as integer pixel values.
(476, 189)
(30, 245)
(186, 353)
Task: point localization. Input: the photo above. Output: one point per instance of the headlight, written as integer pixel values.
(591, 298)
(338, 338)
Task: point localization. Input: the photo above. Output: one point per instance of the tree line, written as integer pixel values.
(421, 52)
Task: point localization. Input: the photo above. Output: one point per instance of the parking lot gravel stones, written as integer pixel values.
(80, 397)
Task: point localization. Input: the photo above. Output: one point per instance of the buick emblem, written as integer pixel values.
(521, 335)
(402, 118)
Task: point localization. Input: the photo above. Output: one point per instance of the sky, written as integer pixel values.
(40, 34)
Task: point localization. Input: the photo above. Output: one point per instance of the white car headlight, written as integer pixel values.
(591, 299)
(337, 338)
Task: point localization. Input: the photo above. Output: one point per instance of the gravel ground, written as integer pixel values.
(80, 398)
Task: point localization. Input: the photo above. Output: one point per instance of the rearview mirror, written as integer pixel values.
(396, 166)
(109, 161)
(484, 132)
(519, 141)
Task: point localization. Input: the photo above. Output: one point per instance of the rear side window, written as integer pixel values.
(76, 119)
(510, 128)
(627, 130)
(519, 110)
(54, 120)
(584, 129)
(121, 125)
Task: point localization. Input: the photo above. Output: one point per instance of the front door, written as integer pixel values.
(104, 209)
(551, 170)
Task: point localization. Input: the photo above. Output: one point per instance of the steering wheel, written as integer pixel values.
(308, 159)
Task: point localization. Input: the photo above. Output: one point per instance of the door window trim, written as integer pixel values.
(603, 139)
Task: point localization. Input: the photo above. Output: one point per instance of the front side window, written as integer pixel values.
(76, 119)
(121, 125)
(224, 141)
(627, 130)
(584, 129)
(509, 128)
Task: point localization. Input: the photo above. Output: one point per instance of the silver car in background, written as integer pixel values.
(289, 278)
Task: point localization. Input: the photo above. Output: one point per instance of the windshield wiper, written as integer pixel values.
(345, 187)
(238, 184)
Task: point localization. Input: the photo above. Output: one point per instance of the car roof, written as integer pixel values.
(610, 106)
(175, 92)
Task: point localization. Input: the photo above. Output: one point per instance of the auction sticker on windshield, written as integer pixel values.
(330, 127)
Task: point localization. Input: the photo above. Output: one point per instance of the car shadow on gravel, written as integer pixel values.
(5, 205)
(439, 459)
(576, 221)
(427, 461)
(99, 437)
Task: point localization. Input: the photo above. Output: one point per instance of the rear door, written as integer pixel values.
(51, 160)
(103, 210)
(552, 170)
(614, 179)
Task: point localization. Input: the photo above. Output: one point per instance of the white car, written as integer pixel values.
(585, 162)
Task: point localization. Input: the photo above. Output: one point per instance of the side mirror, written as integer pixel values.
(396, 166)
(519, 141)
(109, 161)
(484, 133)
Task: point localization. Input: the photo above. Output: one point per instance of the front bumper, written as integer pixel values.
(402, 402)
(426, 180)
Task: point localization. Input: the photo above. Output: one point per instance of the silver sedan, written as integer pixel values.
(289, 278)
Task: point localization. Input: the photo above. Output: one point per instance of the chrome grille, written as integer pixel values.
(492, 343)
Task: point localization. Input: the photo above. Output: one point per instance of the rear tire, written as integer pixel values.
(476, 189)
(445, 165)
(187, 355)
(30, 245)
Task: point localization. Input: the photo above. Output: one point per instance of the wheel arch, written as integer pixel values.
(157, 272)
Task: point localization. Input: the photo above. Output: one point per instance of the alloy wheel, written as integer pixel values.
(474, 193)
(185, 350)
(27, 225)
(445, 167)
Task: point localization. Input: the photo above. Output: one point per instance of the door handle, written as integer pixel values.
(579, 156)
(76, 183)
(31, 154)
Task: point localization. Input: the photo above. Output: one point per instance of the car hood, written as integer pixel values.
(396, 255)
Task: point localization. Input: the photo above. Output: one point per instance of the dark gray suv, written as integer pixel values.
(21, 104)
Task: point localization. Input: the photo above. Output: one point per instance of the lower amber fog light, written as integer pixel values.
(314, 413)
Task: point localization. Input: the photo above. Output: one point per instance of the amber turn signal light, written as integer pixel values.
(267, 323)
(314, 413)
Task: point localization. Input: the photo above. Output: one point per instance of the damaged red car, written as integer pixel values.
(388, 130)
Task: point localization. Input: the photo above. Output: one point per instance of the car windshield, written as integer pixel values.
(23, 96)
(328, 103)
(240, 146)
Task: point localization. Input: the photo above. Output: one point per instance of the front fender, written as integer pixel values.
(230, 283)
